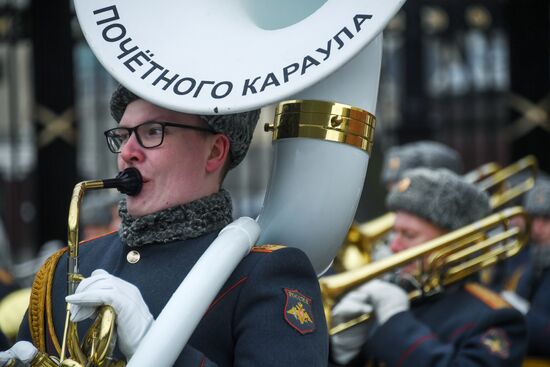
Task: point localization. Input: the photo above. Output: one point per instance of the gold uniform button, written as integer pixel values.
(133, 257)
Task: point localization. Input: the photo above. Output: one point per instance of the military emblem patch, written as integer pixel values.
(297, 312)
(497, 342)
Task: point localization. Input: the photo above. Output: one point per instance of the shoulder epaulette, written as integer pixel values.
(487, 296)
(266, 248)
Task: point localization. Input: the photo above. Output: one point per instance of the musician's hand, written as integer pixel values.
(518, 302)
(20, 354)
(133, 316)
(387, 299)
(347, 344)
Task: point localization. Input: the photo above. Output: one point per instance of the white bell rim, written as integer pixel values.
(216, 75)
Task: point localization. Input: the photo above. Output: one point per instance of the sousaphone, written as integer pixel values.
(319, 60)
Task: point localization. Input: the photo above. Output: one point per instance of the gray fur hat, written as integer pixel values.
(429, 154)
(439, 196)
(537, 200)
(238, 127)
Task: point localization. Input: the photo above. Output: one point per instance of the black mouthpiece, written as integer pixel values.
(128, 182)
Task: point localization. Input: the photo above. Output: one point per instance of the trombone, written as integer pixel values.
(446, 260)
(362, 238)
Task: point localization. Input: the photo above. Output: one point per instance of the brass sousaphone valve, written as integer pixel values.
(98, 344)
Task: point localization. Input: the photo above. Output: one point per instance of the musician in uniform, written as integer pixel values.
(465, 325)
(528, 287)
(424, 153)
(268, 313)
(399, 159)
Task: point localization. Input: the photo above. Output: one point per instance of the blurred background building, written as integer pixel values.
(471, 74)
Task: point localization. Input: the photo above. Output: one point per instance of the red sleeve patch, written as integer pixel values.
(297, 311)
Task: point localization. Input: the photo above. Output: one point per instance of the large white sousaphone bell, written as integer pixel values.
(319, 60)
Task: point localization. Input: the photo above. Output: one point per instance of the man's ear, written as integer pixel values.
(219, 152)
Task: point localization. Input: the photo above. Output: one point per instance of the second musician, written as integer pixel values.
(467, 325)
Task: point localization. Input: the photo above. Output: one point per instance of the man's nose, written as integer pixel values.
(131, 150)
(397, 244)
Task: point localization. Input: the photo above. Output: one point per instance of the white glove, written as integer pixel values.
(347, 344)
(133, 316)
(518, 302)
(387, 299)
(21, 352)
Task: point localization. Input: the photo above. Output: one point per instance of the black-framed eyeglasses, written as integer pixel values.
(149, 134)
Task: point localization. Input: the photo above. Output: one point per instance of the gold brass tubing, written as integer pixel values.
(361, 241)
(43, 360)
(73, 276)
(325, 121)
(100, 337)
(65, 333)
(505, 173)
(76, 198)
(499, 199)
(482, 172)
(347, 324)
(482, 245)
(489, 258)
(378, 227)
(354, 253)
(504, 194)
(98, 342)
(437, 258)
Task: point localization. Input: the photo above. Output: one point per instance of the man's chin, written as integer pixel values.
(134, 208)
